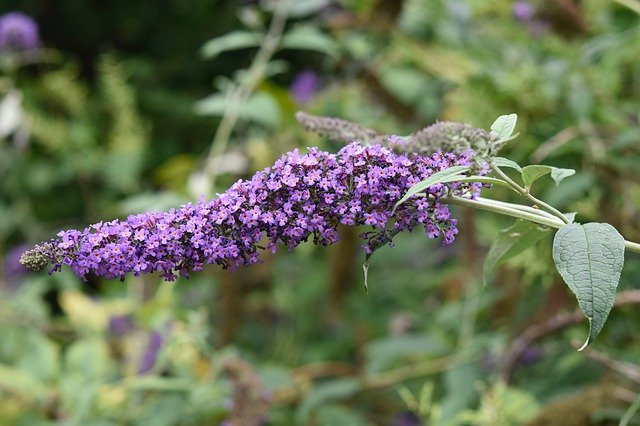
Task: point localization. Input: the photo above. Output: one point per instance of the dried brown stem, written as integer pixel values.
(552, 325)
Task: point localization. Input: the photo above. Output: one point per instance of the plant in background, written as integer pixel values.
(307, 195)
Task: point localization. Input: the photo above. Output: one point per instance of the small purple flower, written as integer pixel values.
(304, 86)
(18, 32)
(522, 11)
(151, 353)
(301, 197)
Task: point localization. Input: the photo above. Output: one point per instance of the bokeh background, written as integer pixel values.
(118, 107)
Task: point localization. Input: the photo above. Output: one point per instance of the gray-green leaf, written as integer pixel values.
(504, 125)
(532, 173)
(505, 162)
(590, 258)
(438, 177)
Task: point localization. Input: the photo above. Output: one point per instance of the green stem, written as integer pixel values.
(528, 209)
(243, 91)
(515, 210)
(525, 193)
(502, 208)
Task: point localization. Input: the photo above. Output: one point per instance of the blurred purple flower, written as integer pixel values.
(407, 419)
(304, 86)
(13, 269)
(522, 11)
(530, 355)
(18, 32)
(151, 353)
(120, 325)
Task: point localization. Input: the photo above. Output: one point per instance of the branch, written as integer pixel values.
(555, 323)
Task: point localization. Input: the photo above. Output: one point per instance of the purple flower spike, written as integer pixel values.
(18, 32)
(301, 196)
(151, 353)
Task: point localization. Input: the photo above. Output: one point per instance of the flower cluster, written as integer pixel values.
(301, 196)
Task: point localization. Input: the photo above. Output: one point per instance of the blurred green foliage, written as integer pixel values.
(117, 116)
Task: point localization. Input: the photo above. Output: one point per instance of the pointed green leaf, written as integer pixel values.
(231, 41)
(532, 173)
(505, 162)
(589, 258)
(434, 179)
(558, 174)
(504, 125)
(511, 242)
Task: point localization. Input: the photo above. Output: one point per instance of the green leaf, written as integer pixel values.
(434, 179)
(589, 258)
(505, 162)
(558, 174)
(231, 41)
(511, 242)
(504, 125)
(22, 383)
(532, 173)
(307, 37)
(332, 390)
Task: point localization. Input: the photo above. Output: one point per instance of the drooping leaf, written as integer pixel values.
(434, 179)
(231, 41)
(511, 242)
(307, 37)
(505, 162)
(589, 258)
(532, 173)
(504, 125)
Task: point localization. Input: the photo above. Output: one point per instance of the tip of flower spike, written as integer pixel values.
(37, 258)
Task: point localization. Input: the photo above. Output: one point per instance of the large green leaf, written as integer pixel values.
(590, 258)
(511, 242)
